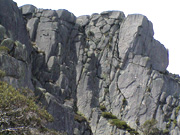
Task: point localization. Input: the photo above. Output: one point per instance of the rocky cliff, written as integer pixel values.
(87, 66)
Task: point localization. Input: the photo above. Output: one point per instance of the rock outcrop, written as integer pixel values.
(77, 65)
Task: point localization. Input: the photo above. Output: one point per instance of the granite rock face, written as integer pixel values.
(12, 20)
(77, 65)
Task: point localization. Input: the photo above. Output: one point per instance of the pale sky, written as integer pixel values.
(164, 14)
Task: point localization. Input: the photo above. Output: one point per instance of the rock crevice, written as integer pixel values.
(83, 66)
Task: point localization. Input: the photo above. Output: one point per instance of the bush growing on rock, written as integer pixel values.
(149, 127)
(119, 123)
(108, 115)
(19, 114)
(79, 117)
(102, 107)
(123, 125)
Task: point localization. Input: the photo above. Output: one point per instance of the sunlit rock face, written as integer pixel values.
(77, 65)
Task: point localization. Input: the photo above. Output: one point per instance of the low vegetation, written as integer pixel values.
(79, 117)
(19, 113)
(108, 115)
(103, 108)
(149, 127)
(119, 123)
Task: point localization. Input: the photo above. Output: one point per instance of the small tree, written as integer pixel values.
(149, 127)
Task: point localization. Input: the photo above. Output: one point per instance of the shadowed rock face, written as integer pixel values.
(78, 64)
(12, 20)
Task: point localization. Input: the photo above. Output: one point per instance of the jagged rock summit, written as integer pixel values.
(85, 67)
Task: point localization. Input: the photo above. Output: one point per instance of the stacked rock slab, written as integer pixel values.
(78, 64)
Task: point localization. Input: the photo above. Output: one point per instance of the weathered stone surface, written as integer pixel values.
(28, 9)
(2, 32)
(80, 65)
(139, 39)
(83, 20)
(20, 52)
(8, 43)
(12, 20)
(63, 124)
(11, 66)
(32, 27)
(66, 15)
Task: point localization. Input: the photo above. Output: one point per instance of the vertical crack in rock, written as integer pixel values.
(82, 66)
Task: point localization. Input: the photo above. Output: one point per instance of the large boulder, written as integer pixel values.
(136, 36)
(11, 18)
(28, 9)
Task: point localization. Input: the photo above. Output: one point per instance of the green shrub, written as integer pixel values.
(108, 115)
(19, 111)
(123, 125)
(124, 101)
(149, 127)
(79, 118)
(119, 124)
(103, 108)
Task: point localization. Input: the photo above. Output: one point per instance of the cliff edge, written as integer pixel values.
(92, 73)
